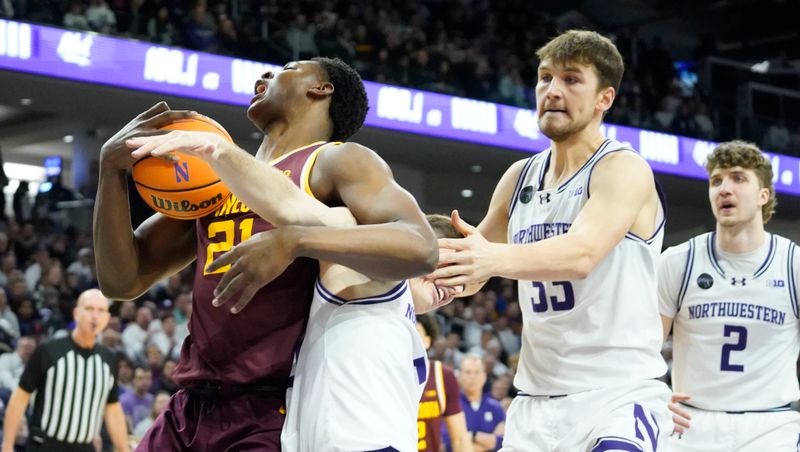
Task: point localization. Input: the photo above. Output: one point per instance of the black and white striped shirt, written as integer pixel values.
(73, 386)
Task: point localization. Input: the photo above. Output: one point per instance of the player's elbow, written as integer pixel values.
(113, 290)
(583, 267)
(587, 259)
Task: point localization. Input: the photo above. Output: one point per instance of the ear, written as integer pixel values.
(763, 196)
(321, 90)
(605, 98)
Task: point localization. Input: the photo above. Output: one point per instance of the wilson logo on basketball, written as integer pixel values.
(184, 205)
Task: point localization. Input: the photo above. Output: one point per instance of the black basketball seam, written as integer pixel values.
(177, 190)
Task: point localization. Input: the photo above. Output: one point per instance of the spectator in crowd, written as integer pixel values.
(9, 325)
(485, 416)
(125, 372)
(100, 17)
(136, 334)
(138, 403)
(160, 28)
(12, 364)
(75, 17)
(440, 400)
(160, 402)
(83, 267)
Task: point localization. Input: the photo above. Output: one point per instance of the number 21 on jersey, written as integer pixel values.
(226, 231)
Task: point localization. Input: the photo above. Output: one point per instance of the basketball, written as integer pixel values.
(187, 188)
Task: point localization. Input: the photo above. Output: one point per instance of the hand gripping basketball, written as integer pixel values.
(183, 187)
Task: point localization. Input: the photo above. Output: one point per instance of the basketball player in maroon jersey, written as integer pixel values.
(234, 368)
(440, 400)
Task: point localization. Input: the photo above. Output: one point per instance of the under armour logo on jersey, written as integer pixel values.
(544, 198)
(705, 281)
(738, 282)
(526, 194)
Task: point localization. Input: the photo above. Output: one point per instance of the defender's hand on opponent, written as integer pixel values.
(205, 145)
(253, 264)
(470, 260)
(680, 417)
(115, 152)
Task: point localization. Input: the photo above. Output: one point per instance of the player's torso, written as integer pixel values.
(735, 336)
(577, 330)
(259, 342)
(359, 374)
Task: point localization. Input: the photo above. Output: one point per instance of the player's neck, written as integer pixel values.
(741, 238)
(83, 340)
(569, 155)
(282, 137)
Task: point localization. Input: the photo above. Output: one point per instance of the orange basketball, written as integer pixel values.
(187, 188)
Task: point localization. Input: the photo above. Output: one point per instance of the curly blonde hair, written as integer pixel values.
(748, 156)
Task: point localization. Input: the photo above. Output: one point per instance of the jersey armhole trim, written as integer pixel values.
(519, 186)
(305, 175)
(791, 277)
(687, 273)
(440, 388)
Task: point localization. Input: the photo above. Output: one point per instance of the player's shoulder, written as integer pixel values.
(348, 156)
(681, 251)
(618, 157)
(784, 240)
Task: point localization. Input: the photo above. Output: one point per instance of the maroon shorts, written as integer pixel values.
(242, 422)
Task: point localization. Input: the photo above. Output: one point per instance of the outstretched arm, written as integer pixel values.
(395, 241)
(623, 199)
(259, 185)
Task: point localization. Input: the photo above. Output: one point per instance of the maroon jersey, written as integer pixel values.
(439, 399)
(259, 342)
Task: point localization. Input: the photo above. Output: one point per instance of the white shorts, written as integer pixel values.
(630, 417)
(718, 431)
(358, 380)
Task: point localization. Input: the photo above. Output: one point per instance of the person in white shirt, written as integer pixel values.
(12, 364)
(730, 297)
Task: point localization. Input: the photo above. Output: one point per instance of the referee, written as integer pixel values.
(75, 384)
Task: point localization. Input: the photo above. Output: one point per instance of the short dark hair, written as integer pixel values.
(429, 325)
(349, 103)
(442, 226)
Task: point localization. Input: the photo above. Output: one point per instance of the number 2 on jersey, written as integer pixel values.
(227, 229)
(559, 304)
(741, 343)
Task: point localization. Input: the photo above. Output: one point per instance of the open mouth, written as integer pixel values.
(259, 90)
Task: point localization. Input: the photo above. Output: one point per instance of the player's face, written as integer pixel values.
(567, 98)
(424, 293)
(736, 195)
(278, 90)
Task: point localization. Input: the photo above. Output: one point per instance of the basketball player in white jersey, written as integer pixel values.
(361, 369)
(580, 225)
(730, 297)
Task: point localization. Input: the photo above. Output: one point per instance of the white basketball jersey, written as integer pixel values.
(359, 375)
(596, 332)
(735, 333)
